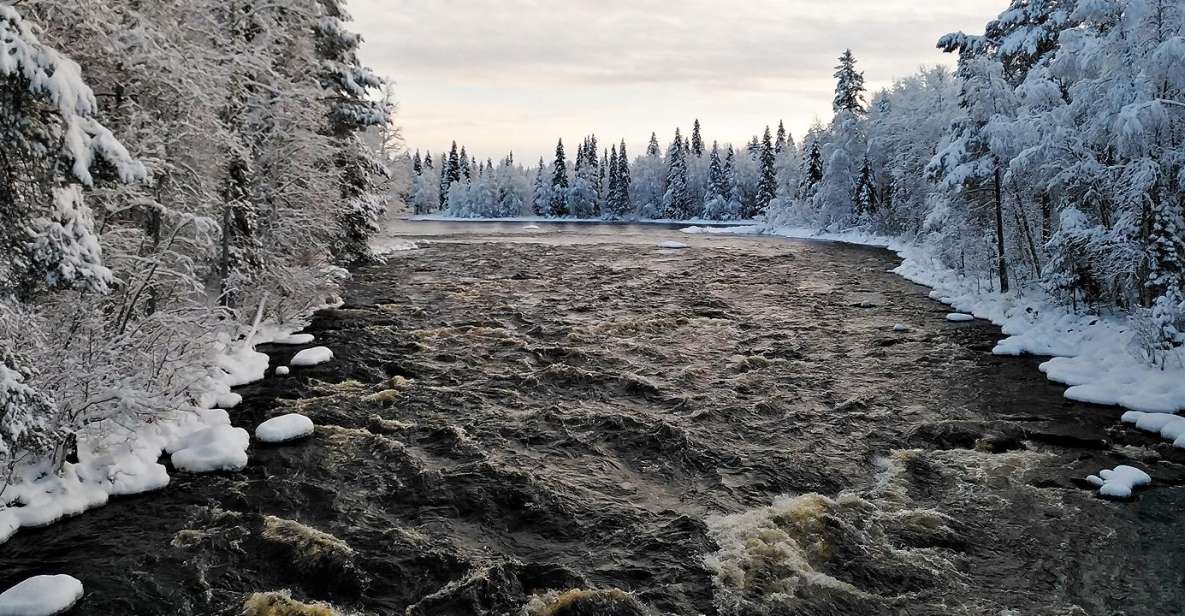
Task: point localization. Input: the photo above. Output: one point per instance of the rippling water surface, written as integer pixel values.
(732, 428)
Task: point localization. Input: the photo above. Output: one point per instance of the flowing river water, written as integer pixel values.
(731, 428)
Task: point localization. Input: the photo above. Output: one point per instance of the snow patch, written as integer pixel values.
(312, 357)
(43, 595)
(958, 317)
(1120, 481)
(282, 371)
(295, 339)
(1169, 427)
(219, 448)
(284, 429)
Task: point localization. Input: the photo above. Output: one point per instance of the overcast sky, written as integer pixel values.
(517, 74)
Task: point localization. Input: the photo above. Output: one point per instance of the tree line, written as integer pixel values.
(166, 166)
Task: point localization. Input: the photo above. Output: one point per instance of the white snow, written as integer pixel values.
(284, 428)
(312, 357)
(43, 595)
(672, 245)
(295, 339)
(218, 448)
(1170, 427)
(282, 371)
(1091, 353)
(958, 317)
(1120, 482)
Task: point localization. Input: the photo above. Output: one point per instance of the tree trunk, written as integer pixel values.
(1001, 260)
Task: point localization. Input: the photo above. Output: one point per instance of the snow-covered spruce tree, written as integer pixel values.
(450, 173)
(812, 173)
(352, 110)
(849, 88)
(697, 140)
(541, 196)
(677, 201)
(622, 203)
(558, 208)
(716, 197)
(52, 146)
(780, 143)
(767, 185)
(649, 182)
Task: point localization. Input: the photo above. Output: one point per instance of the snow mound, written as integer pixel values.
(672, 245)
(282, 371)
(901, 328)
(1169, 427)
(220, 448)
(1119, 482)
(312, 357)
(295, 339)
(43, 595)
(284, 428)
(958, 317)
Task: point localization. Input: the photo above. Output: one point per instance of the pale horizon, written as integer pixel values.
(507, 77)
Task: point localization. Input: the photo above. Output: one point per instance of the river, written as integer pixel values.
(729, 428)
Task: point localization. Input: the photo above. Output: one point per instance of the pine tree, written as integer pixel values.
(428, 161)
(465, 168)
(849, 89)
(652, 148)
(767, 186)
(813, 174)
(697, 140)
(623, 203)
(559, 183)
(541, 201)
(677, 200)
(417, 165)
(864, 201)
(780, 144)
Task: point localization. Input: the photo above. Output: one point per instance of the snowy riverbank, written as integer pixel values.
(115, 459)
(1093, 354)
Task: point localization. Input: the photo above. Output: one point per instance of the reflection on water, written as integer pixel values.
(578, 421)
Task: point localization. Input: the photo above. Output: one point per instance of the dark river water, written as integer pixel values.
(571, 420)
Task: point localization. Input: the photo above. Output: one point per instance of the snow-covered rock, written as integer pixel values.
(312, 357)
(219, 448)
(282, 371)
(1120, 481)
(958, 317)
(672, 245)
(284, 428)
(901, 328)
(295, 339)
(43, 595)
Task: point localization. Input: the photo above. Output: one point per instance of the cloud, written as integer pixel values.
(522, 55)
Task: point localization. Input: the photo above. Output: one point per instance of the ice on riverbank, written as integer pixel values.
(1120, 481)
(1169, 427)
(295, 339)
(43, 595)
(312, 357)
(284, 428)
